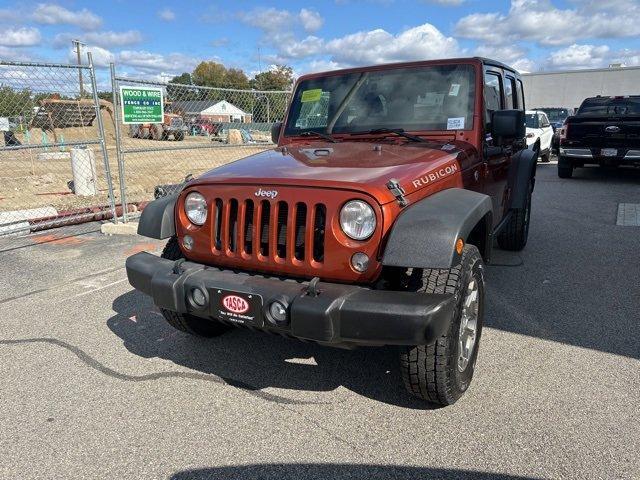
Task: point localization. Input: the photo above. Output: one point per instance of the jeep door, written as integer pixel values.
(497, 159)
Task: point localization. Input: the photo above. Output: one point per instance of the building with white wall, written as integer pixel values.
(569, 88)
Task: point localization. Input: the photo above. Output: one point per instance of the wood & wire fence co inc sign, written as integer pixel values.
(142, 105)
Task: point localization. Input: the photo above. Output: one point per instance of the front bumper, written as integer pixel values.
(330, 313)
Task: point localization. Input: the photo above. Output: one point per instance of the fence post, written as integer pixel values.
(105, 155)
(119, 154)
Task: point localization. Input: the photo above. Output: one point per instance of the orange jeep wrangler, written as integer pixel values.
(368, 224)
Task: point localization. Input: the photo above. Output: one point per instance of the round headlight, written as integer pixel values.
(357, 220)
(195, 206)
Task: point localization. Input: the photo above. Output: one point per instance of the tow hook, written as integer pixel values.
(312, 288)
(396, 189)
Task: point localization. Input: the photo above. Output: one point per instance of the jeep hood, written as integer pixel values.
(362, 166)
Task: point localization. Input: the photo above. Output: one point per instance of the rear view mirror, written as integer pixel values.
(275, 132)
(508, 125)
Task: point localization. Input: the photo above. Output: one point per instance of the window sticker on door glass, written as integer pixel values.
(454, 90)
(456, 123)
(311, 95)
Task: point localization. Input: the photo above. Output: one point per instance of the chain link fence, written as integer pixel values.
(203, 127)
(54, 168)
(68, 157)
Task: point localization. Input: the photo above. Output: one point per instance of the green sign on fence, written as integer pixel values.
(142, 105)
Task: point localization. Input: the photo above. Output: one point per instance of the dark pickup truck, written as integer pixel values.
(605, 131)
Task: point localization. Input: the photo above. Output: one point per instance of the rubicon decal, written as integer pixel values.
(266, 193)
(435, 175)
(235, 304)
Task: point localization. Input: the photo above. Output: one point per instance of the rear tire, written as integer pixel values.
(440, 373)
(184, 322)
(565, 168)
(515, 233)
(157, 132)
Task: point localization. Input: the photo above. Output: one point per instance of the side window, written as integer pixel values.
(509, 93)
(520, 95)
(492, 96)
(544, 121)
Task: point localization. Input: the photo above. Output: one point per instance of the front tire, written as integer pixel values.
(440, 373)
(184, 322)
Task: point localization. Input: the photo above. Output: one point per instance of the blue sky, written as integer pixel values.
(159, 39)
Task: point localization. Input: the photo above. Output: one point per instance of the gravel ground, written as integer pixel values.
(96, 385)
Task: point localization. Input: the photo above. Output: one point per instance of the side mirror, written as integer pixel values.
(508, 125)
(276, 128)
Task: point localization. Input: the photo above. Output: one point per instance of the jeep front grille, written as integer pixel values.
(269, 230)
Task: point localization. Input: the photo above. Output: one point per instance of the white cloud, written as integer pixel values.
(311, 20)
(423, 42)
(149, 62)
(101, 56)
(102, 39)
(278, 24)
(113, 39)
(51, 14)
(167, 15)
(579, 56)
(15, 54)
(512, 55)
(20, 37)
(541, 22)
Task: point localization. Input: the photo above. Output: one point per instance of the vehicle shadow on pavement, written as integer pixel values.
(335, 471)
(255, 360)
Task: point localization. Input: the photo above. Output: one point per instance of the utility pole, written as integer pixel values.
(77, 44)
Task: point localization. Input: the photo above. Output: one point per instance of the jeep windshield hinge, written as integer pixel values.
(394, 187)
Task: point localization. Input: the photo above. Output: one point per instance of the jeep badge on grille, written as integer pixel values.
(266, 193)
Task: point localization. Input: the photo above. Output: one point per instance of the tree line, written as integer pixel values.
(250, 95)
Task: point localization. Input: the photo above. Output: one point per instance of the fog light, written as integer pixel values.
(278, 312)
(198, 297)
(360, 261)
(187, 242)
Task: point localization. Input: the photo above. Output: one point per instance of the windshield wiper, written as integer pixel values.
(326, 136)
(397, 131)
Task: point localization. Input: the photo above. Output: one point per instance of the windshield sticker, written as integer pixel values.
(435, 175)
(454, 90)
(311, 95)
(456, 123)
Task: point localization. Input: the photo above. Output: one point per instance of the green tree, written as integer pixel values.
(279, 77)
(236, 78)
(183, 79)
(209, 74)
(176, 91)
(14, 103)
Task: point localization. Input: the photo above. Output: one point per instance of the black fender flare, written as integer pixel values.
(425, 233)
(158, 218)
(523, 168)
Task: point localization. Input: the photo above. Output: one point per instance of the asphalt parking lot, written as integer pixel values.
(96, 385)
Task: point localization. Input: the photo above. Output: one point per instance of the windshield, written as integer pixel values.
(556, 114)
(424, 98)
(610, 106)
(532, 120)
